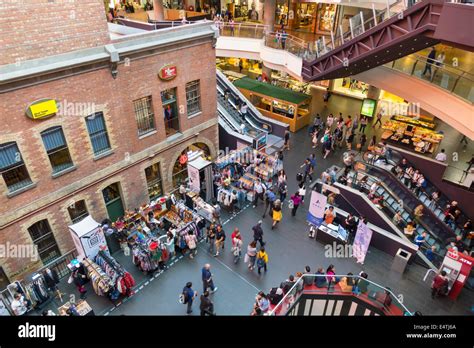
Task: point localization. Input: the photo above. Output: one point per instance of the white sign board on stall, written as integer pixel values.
(88, 238)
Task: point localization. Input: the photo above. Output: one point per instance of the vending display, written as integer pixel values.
(457, 267)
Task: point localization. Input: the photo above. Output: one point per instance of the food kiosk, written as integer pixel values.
(278, 103)
(412, 133)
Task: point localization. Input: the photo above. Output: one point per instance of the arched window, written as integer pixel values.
(43, 238)
(78, 211)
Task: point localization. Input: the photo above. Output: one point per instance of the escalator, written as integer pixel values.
(253, 123)
(382, 215)
(434, 226)
(377, 41)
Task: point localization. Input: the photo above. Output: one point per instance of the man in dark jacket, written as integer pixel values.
(270, 198)
(206, 306)
(189, 295)
(51, 278)
(207, 281)
(258, 233)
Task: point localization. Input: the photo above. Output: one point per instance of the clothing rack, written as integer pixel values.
(112, 262)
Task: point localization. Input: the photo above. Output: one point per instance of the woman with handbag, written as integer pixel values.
(277, 214)
(236, 244)
(251, 255)
(262, 260)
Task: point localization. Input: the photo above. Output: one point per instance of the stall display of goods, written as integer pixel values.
(421, 121)
(421, 139)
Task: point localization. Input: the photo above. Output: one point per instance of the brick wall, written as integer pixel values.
(49, 199)
(37, 28)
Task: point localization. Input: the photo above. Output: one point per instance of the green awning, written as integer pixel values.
(270, 90)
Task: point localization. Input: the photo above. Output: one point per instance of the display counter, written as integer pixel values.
(82, 307)
(278, 103)
(410, 133)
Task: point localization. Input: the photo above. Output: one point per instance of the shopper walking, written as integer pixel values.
(251, 255)
(259, 190)
(363, 124)
(270, 198)
(189, 295)
(295, 203)
(307, 170)
(207, 279)
(283, 190)
(220, 238)
(277, 214)
(287, 140)
(206, 307)
(211, 237)
(236, 245)
(258, 233)
(330, 121)
(439, 284)
(191, 242)
(378, 121)
(262, 260)
(429, 62)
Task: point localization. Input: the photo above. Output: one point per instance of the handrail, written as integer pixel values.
(323, 48)
(297, 284)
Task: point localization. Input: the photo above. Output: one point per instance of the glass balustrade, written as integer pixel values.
(375, 295)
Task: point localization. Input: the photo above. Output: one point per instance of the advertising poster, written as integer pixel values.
(361, 242)
(193, 175)
(316, 208)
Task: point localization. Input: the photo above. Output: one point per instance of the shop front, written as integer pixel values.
(278, 103)
(312, 17)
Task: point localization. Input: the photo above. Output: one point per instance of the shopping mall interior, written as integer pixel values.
(319, 156)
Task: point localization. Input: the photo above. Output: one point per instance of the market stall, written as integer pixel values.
(88, 237)
(278, 103)
(412, 133)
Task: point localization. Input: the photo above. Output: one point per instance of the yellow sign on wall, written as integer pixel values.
(43, 109)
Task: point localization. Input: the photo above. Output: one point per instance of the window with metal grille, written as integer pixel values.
(144, 115)
(78, 211)
(43, 238)
(98, 133)
(13, 168)
(154, 182)
(193, 97)
(56, 148)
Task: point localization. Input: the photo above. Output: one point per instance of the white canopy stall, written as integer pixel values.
(88, 238)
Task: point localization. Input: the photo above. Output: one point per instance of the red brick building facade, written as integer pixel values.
(110, 137)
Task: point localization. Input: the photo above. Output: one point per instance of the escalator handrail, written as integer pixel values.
(443, 196)
(407, 209)
(417, 202)
(257, 114)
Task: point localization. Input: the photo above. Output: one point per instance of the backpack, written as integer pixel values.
(183, 298)
(260, 263)
(274, 297)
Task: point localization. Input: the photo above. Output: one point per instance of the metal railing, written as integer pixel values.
(449, 78)
(247, 30)
(363, 288)
(359, 25)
